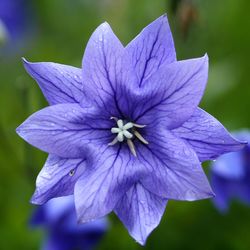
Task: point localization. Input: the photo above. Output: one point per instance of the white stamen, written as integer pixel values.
(114, 118)
(138, 125)
(113, 142)
(131, 147)
(139, 136)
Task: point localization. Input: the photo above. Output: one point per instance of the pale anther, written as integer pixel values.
(113, 142)
(139, 136)
(131, 147)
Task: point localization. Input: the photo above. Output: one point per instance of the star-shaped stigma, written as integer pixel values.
(127, 131)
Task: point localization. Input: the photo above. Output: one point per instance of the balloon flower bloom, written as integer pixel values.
(58, 218)
(124, 133)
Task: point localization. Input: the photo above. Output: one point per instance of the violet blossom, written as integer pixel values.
(230, 176)
(13, 20)
(58, 219)
(125, 133)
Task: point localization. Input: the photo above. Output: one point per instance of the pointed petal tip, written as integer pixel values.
(206, 57)
(240, 144)
(162, 20)
(142, 242)
(38, 198)
(25, 62)
(104, 26)
(35, 200)
(243, 143)
(19, 130)
(203, 59)
(139, 238)
(83, 221)
(212, 195)
(163, 17)
(206, 194)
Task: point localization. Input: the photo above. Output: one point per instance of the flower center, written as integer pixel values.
(127, 131)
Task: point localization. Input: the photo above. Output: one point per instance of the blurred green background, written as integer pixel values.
(59, 33)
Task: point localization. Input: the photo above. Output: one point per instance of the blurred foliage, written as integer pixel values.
(60, 31)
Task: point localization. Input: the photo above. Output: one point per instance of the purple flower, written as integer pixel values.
(230, 175)
(124, 133)
(13, 18)
(58, 217)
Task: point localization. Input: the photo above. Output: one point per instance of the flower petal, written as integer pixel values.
(230, 166)
(59, 83)
(152, 48)
(101, 65)
(65, 129)
(222, 192)
(176, 172)
(207, 136)
(38, 217)
(110, 174)
(57, 178)
(140, 211)
(172, 94)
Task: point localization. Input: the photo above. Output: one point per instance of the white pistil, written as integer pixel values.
(123, 134)
(120, 136)
(115, 130)
(128, 125)
(120, 124)
(122, 130)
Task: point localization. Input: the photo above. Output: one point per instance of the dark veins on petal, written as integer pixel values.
(57, 178)
(150, 57)
(165, 98)
(110, 82)
(59, 83)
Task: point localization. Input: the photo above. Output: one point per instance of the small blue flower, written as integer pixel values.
(13, 19)
(230, 175)
(58, 218)
(125, 133)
